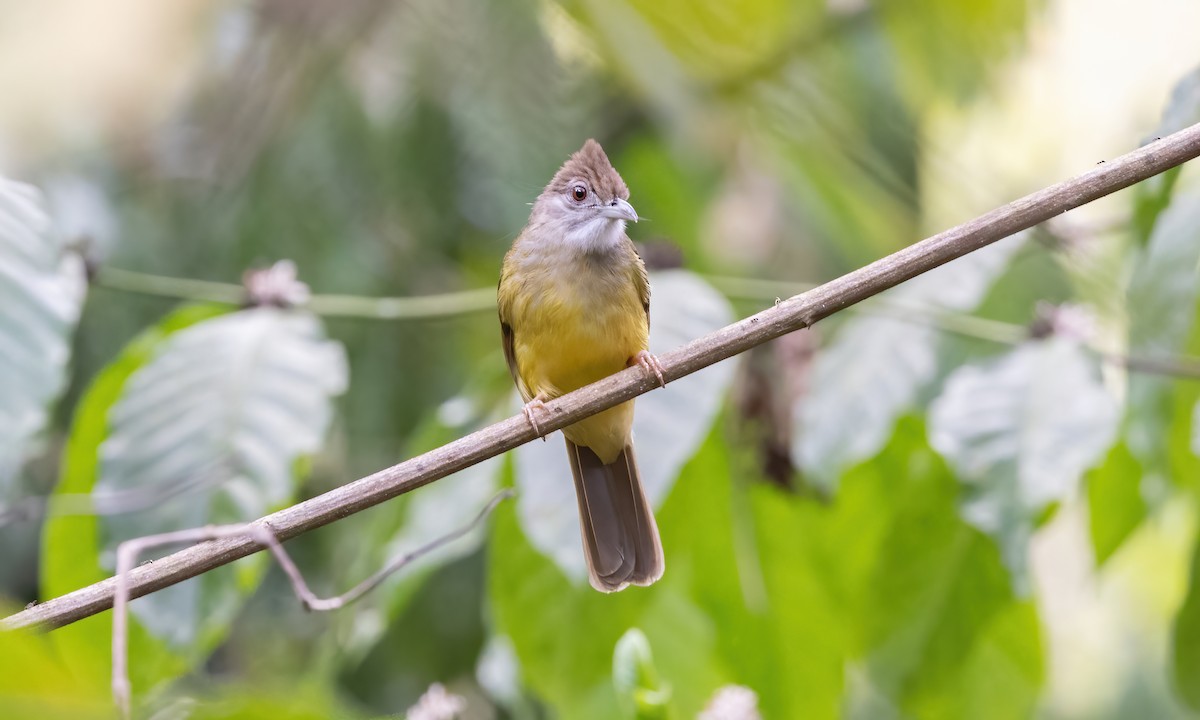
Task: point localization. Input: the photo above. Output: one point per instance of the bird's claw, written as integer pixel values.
(652, 365)
(528, 408)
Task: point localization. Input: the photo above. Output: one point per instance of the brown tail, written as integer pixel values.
(620, 537)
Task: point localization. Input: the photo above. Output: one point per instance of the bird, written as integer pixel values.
(574, 305)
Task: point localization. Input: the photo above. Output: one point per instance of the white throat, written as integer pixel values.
(596, 235)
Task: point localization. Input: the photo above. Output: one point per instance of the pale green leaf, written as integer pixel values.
(1154, 194)
(1021, 430)
(208, 432)
(1183, 107)
(877, 366)
(1162, 299)
(1163, 289)
(635, 678)
(70, 544)
(498, 672)
(42, 288)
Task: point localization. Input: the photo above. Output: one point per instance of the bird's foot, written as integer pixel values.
(529, 409)
(652, 365)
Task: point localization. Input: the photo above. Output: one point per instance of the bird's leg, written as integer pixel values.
(538, 404)
(651, 364)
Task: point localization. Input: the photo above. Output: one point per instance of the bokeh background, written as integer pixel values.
(972, 497)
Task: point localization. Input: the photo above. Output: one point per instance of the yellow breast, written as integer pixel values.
(575, 323)
(575, 331)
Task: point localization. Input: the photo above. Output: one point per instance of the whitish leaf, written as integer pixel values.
(70, 557)
(208, 432)
(668, 427)
(1183, 108)
(1021, 430)
(41, 292)
(1153, 195)
(1162, 292)
(1162, 305)
(876, 367)
(499, 672)
(83, 214)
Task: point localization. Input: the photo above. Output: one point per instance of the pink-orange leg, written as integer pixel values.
(651, 364)
(538, 404)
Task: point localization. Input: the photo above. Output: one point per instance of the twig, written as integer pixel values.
(405, 308)
(377, 308)
(160, 286)
(1178, 367)
(787, 316)
(260, 532)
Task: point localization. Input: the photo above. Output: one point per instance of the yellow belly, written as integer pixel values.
(568, 337)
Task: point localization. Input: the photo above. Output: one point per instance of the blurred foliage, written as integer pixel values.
(888, 516)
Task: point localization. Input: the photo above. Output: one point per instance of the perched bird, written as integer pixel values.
(574, 303)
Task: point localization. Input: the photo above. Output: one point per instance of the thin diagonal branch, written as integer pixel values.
(793, 314)
(129, 551)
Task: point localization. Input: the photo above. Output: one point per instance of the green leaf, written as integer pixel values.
(669, 425)
(1185, 636)
(1162, 301)
(563, 633)
(1153, 195)
(210, 430)
(71, 542)
(1000, 678)
(295, 702)
(933, 583)
(42, 288)
(1183, 428)
(709, 39)
(202, 419)
(807, 636)
(868, 376)
(1162, 291)
(1115, 503)
(635, 678)
(1183, 107)
(876, 367)
(34, 683)
(946, 45)
(1020, 430)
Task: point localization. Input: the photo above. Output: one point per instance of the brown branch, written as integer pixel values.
(793, 314)
(129, 551)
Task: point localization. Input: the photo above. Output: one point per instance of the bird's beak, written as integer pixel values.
(619, 209)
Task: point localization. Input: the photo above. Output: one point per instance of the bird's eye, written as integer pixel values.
(579, 192)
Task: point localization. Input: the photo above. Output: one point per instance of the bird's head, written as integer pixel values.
(587, 202)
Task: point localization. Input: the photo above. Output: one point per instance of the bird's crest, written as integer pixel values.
(591, 165)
